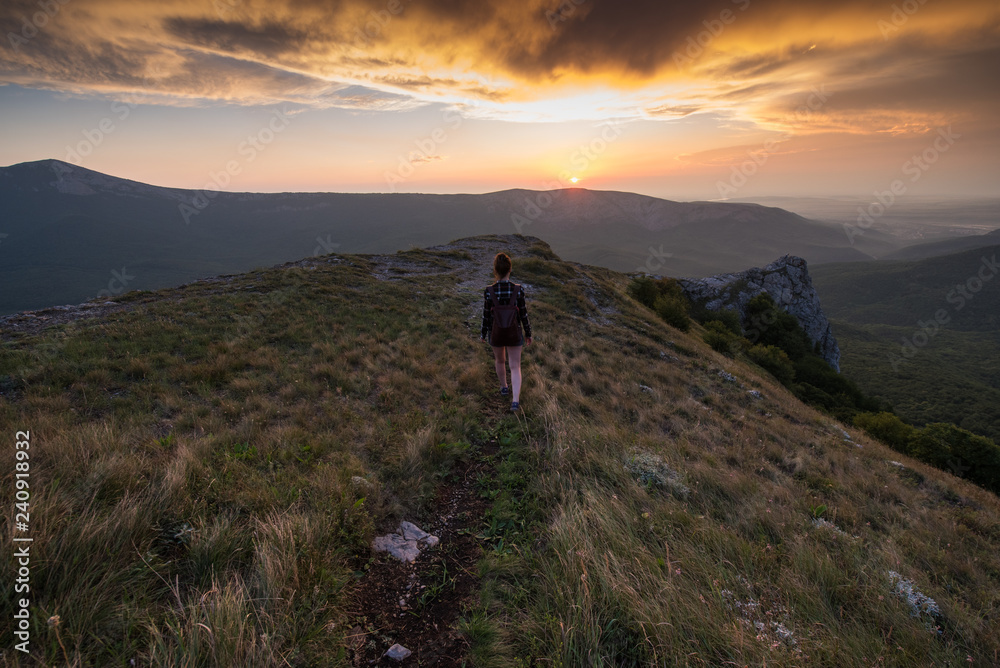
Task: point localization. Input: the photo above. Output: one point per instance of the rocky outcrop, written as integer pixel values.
(787, 281)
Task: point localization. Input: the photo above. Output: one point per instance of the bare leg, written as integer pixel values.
(498, 363)
(514, 355)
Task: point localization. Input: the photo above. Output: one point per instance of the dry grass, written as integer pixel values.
(193, 501)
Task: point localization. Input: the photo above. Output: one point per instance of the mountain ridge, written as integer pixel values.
(69, 227)
(946, 247)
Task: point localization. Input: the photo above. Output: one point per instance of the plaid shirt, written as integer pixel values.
(503, 290)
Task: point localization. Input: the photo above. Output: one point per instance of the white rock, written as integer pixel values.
(358, 481)
(397, 546)
(397, 652)
(411, 531)
(405, 544)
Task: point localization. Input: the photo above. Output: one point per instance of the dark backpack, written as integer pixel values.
(506, 323)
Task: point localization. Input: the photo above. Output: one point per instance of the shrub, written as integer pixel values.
(720, 338)
(814, 396)
(728, 318)
(665, 297)
(939, 444)
(673, 311)
(774, 360)
(949, 447)
(769, 325)
(643, 290)
(887, 428)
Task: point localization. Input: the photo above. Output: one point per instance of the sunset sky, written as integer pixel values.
(685, 100)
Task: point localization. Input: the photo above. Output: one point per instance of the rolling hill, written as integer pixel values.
(210, 464)
(74, 234)
(902, 292)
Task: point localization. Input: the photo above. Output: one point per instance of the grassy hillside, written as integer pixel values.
(922, 334)
(210, 465)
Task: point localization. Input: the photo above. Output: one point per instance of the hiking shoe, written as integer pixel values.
(514, 405)
(504, 391)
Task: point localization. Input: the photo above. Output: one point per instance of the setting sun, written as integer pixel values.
(407, 97)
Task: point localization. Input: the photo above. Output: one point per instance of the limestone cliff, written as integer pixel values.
(787, 281)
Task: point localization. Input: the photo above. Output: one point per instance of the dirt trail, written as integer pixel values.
(419, 605)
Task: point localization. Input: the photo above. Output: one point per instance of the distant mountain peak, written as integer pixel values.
(70, 179)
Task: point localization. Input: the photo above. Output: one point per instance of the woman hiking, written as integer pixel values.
(504, 314)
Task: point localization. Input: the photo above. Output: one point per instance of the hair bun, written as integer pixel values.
(502, 265)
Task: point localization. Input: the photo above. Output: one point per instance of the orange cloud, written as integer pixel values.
(898, 68)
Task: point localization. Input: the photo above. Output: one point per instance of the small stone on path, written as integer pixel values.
(406, 543)
(411, 531)
(397, 652)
